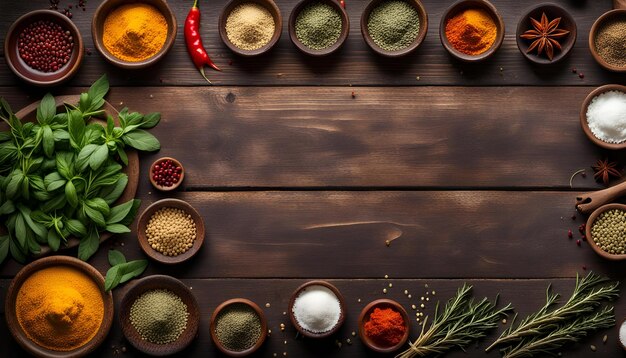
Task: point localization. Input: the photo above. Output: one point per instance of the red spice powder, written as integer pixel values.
(385, 327)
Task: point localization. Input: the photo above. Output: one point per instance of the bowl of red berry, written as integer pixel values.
(43, 48)
(166, 174)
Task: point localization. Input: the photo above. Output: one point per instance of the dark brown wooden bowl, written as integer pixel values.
(262, 318)
(592, 218)
(142, 224)
(471, 4)
(278, 29)
(32, 76)
(364, 317)
(607, 16)
(345, 28)
(297, 293)
(423, 29)
(16, 329)
(552, 12)
(97, 29)
(159, 282)
(583, 116)
(166, 188)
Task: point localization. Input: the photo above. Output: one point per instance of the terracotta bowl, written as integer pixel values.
(345, 28)
(161, 187)
(608, 16)
(471, 4)
(583, 116)
(278, 30)
(423, 29)
(97, 29)
(162, 282)
(364, 317)
(143, 224)
(594, 215)
(552, 12)
(18, 333)
(262, 318)
(32, 76)
(304, 287)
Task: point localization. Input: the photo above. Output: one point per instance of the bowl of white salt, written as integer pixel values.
(603, 116)
(317, 309)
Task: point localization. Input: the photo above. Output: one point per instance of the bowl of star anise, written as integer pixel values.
(546, 34)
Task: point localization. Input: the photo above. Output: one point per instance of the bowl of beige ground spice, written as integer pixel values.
(607, 40)
(250, 27)
(170, 231)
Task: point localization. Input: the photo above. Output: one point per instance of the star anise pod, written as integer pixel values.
(604, 170)
(545, 35)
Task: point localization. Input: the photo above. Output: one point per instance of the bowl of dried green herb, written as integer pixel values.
(238, 327)
(318, 27)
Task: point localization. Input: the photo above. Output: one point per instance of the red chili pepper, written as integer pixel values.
(194, 42)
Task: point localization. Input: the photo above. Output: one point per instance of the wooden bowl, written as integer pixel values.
(166, 188)
(97, 30)
(278, 29)
(30, 75)
(592, 218)
(552, 12)
(471, 4)
(16, 329)
(608, 16)
(159, 282)
(423, 29)
(345, 28)
(583, 116)
(619, 341)
(262, 318)
(142, 224)
(364, 317)
(304, 287)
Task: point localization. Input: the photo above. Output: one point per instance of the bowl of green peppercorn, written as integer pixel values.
(606, 231)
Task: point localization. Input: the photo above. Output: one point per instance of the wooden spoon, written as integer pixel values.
(588, 202)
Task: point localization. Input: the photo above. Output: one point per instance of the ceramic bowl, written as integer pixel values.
(18, 333)
(278, 29)
(143, 224)
(345, 28)
(30, 75)
(364, 318)
(619, 341)
(159, 282)
(423, 29)
(462, 5)
(303, 288)
(262, 318)
(97, 29)
(552, 12)
(592, 218)
(173, 186)
(608, 16)
(583, 116)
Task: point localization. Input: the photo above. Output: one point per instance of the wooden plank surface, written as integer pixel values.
(355, 64)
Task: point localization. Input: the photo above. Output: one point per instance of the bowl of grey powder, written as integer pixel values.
(603, 116)
(394, 28)
(607, 40)
(250, 27)
(238, 327)
(317, 309)
(318, 27)
(159, 315)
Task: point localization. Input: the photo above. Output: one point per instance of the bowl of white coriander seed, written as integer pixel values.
(170, 231)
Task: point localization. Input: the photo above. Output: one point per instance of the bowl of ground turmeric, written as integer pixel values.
(57, 307)
(133, 34)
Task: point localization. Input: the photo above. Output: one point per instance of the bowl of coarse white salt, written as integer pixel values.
(603, 116)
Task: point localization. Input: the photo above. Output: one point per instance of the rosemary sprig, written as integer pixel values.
(462, 321)
(589, 293)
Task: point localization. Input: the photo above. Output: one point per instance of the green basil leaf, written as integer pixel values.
(110, 125)
(150, 120)
(60, 135)
(48, 141)
(7, 208)
(88, 245)
(116, 258)
(65, 164)
(119, 212)
(112, 193)
(141, 140)
(54, 240)
(128, 220)
(84, 102)
(76, 128)
(5, 136)
(20, 229)
(15, 184)
(36, 183)
(133, 118)
(112, 278)
(122, 154)
(37, 228)
(100, 205)
(117, 229)
(133, 269)
(33, 245)
(56, 203)
(94, 133)
(99, 156)
(83, 156)
(95, 216)
(47, 109)
(98, 90)
(53, 181)
(70, 194)
(4, 247)
(76, 228)
(25, 188)
(17, 252)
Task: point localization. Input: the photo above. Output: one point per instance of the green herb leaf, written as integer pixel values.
(98, 157)
(54, 240)
(95, 216)
(53, 181)
(128, 220)
(82, 160)
(123, 272)
(4, 247)
(142, 140)
(112, 278)
(48, 141)
(100, 205)
(20, 229)
(15, 184)
(88, 245)
(76, 128)
(97, 91)
(150, 120)
(60, 135)
(117, 229)
(17, 252)
(76, 228)
(110, 194)
(134, 269)
(119, 212)
(70, 194)
(122, 154)
(7, 208)
(47, 109)
(110, 125)
(116, 258)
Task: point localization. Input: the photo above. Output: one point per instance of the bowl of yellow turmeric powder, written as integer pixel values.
(57, 307)
(133, 34)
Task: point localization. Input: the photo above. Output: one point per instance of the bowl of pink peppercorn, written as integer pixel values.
(166, 174)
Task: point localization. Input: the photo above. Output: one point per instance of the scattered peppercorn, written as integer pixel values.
(581, 75)
(578, 242)
(569, 234)
(166, 173)
(573, 69)
(45, 46)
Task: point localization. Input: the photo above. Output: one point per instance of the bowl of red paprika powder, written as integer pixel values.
(384, 326)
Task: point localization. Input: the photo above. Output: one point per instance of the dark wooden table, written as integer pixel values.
(465, 167)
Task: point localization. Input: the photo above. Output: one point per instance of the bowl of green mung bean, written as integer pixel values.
(159, 315)
(318, 27)
(394, 28)
(238, 327)
(606, 231)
